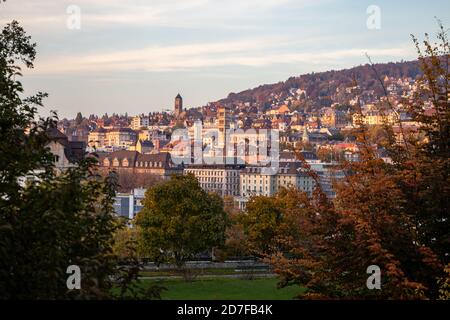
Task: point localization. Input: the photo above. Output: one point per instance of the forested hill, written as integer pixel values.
(326, 87)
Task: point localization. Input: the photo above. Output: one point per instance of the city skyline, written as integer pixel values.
(136, 56)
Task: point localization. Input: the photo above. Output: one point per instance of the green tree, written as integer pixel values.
(179, 220)
(49, 221)
(261, 222)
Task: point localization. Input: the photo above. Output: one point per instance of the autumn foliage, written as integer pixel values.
(393, 215)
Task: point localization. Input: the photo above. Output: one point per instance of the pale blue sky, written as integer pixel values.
(135, 56)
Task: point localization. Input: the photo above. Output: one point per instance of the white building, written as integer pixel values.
(221, 179)
(129, 204)
(255, 181)
(139, 122)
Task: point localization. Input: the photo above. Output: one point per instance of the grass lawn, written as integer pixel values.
(225, 289)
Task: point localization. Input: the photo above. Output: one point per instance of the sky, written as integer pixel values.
(135, 56)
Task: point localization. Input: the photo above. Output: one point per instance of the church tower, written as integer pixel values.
(305, 137)
(178, 105)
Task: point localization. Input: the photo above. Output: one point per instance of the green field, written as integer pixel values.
(225, 289)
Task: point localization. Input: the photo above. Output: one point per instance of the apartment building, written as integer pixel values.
(139, 122)
(221, 179)
(116, 138)
(261, 182)
(129, 204)
(157, 164)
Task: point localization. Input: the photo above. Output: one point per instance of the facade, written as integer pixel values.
(143, 146)
(139, 122)
(328, 174)
(223, 124)
(66, 153)
(120, 138)
(334, 118)
(221, 179)
(373, 118)
(129, 204)
(158, 164)
(117, 138)
(255, 181)
(97, 138)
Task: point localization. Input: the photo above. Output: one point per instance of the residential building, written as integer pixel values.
(121, 138)
(158, 164)
(97, 138)
(139, 122)
(66, 153)
(129, 204)
(259, 181)
(221, 179)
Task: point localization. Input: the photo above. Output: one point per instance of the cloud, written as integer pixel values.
(50, 15)
(245, 52)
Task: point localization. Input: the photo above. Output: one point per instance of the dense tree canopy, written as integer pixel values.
(393, 215)
(180, 220)
(49, 220)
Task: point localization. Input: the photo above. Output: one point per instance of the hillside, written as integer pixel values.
(324, 88)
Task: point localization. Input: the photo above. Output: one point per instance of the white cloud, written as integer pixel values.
(244, 52)
(49, 15)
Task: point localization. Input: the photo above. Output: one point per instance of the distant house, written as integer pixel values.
(142, 146)
(129, 204)
(66, 153)
(159, 164)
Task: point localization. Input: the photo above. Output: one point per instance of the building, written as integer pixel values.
(374, 118)
(221, 179)
(66, 153)
(223, 124)
(97, 138)
(332, 118)
(120, 138)
(178, 105)
(112, 139)
(328, 173)
(305, 135)
(139, 122)
(142, 146)
(158, 164)
(129, 204)
(256, 181)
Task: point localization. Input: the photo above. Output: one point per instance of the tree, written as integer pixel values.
(179, 220)
(261, 222)
(48, 220)
(235, 239)
(393, 215)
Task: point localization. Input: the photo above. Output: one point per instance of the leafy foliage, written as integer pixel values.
(180, 220)
(394, 215)
(49, 220)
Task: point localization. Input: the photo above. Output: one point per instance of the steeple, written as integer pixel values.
(305, 137)
(178, 105)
